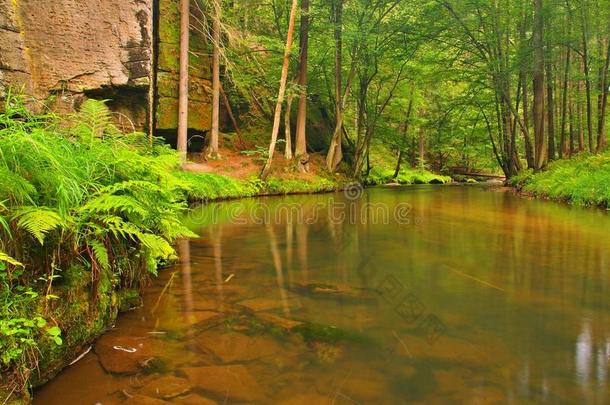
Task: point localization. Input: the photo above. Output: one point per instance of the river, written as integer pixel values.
(423, 294)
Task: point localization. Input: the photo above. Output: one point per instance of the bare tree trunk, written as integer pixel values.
(539, 141)
(404, 137)
(335, 152)
(564, 105)
(529, 150)
(301, 129)
(550, 112)
(585, 60)
(212, 151)
(282, 90)
(227, 104)
(603, 103)
(422, 148)
(579, 113)
(183, 100)
(287, 129)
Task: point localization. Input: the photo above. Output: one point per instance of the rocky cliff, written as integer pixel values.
(63, 51)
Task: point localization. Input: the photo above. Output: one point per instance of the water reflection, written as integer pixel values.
(520, 288)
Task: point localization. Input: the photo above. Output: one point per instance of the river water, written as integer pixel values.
(384, 296)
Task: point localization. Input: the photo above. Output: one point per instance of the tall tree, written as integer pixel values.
(335, 151)
(214, 133)
(301, 128)
(282, 89)
(183, 96)
(538, 86)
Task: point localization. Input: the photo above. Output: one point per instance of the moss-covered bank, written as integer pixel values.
(582, 180)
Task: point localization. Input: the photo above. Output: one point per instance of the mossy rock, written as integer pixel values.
(169, 24)
(200, 114)
(129, 299)
(199, 89)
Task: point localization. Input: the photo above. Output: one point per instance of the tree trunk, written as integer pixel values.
(282, 90)
(529, 150)
(335, 153)
(212, 151)
(287, 129)
(550, 112)
(301, 130)
(603, 103)
(585, 60)
(564, 106)
(538, 84)
(422, 149)
(183, 97)
(404, 137)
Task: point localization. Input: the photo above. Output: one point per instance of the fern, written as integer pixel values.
(101, 254)
(95, 118)
(38, 221)
(4, 258)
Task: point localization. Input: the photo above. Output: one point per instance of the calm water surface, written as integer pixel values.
(403, 295)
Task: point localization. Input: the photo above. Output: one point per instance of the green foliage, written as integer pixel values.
(74, 189)
(275, 185)
(584, 180)
(380, 176)
(207, 186)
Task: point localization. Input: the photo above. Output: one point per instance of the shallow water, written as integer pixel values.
(399, 295)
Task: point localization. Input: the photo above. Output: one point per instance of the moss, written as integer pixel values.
(80, 317)
(200, 114)
(11, 397)
(129, 299)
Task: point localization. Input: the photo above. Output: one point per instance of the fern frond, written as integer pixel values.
(38, 221)
(96, 117)
(101, 254)
(4, 258)
(158, 247)
(122, 204)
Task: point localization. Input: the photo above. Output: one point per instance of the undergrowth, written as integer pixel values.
(74, 189)
(380, 176)
(582, 180)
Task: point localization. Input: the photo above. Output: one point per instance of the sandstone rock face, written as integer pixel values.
(103, 49)
(76, 49)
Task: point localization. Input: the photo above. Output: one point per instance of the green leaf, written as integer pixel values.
(54, 331)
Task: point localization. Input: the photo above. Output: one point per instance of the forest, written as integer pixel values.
(478, 86)
(437, 126)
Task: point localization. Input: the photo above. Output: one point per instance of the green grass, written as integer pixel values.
(583, 180)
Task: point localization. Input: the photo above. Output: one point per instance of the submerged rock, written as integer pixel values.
(308, 399)
(267, 304)
(123, 355)
(144, 400)
(278, 321)
(193, 399)
(336, 291)
(448, 349)
(167, 387)
(233, 347)
(234, 382)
